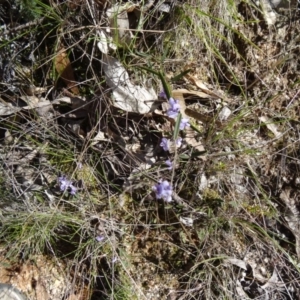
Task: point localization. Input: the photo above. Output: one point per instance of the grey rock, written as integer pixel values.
(8, 292)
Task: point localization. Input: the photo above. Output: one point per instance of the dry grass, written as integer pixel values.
(113, 239)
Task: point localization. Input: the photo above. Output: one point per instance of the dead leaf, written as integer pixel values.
(30, 100)
(274, 282)
(165, 8)
(270, 125)
(240, 291)
(76, 102)
(269, 14)
(224, 113)
(32, 90)
(190, 140)
(128, 97)
(199, 84)
(118, 17)
(98, 138)
(103, 41)
(203, 183)
(8, 137)
(193, 93)
(237, 262)
(45, 109)
(186, 221)
(7, 109)
(63, 67)
(203, 118)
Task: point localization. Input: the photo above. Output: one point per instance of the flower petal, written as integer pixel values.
(162, 94)
(184, 123)
(178, 142)
(163, 191)
(169, 164)
(165, 144)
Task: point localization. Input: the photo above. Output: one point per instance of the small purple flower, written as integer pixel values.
(169, 164)
(100, 238)
(162, 94)
(165, 144)
(63, 182)
(163, 190)
(73, 189)
(66, 184)
(173, 111)
(174, 104)
(184, 123)
(178, 142)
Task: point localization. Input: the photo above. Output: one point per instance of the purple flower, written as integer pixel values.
(174, 104)
(66, 184)
(162, 94)
(173, 111)
(165, 144)
(73, 189)
(169, 164)
(184, 123)
(178, 142)
(163, 190)
(63, 182)
(100, 238)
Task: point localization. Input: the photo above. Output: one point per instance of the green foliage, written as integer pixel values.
(35, 9)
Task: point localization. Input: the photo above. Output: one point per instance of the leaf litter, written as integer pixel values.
(227, 188)
(127, 96)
